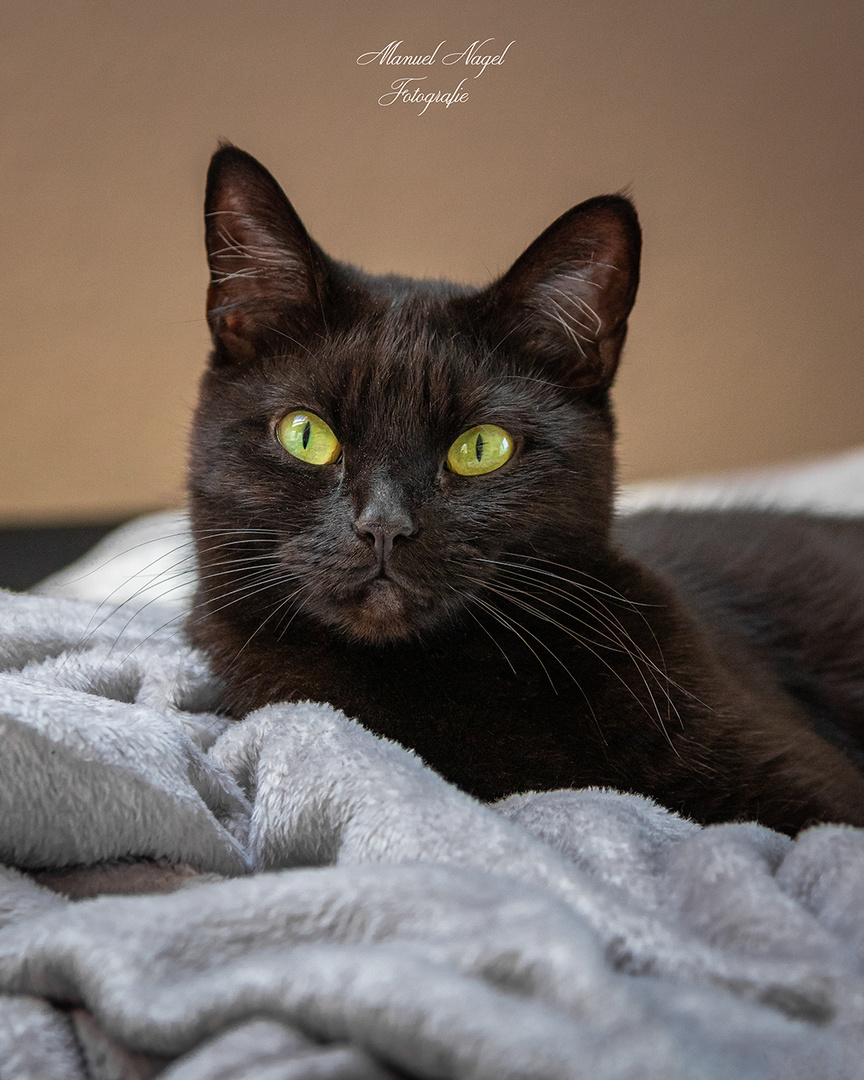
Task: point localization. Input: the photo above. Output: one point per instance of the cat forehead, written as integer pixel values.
(404, 357)
(405, 362)
(423, 383)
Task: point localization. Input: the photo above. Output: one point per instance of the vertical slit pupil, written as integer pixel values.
(478, 446)
(307, 432)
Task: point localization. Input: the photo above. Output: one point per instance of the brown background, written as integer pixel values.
(736, 127)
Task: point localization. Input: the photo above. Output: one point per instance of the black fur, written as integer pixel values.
(506, 628)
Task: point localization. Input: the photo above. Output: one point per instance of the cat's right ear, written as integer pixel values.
(266, 274)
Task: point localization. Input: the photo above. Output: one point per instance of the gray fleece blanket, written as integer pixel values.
(291, 897)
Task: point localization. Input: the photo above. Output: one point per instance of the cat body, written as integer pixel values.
(359, 541)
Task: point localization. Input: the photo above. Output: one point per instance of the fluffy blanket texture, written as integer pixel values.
(292, 897)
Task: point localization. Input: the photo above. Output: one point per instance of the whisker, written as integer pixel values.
(614, 596)
(511, 625)
(661, 670)
(261, 583)
(500, 617)
(284, 629)
(90, 630)
(507, 593)
(607, 590)
(615, 640)
(491, 637)
(263, 623)
(603, 614)
(255, 580)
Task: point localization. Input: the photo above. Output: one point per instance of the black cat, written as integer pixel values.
(402, 501)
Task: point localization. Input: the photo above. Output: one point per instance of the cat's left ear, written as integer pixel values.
(566, 300)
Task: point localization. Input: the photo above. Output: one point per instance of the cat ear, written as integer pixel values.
(567, 298)
(266, 273)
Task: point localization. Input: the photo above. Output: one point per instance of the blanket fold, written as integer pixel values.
(330, 907)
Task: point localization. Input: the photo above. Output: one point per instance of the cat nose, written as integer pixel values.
(383, 517)
(383, 532)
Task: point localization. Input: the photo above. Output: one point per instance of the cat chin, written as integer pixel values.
(384, 615)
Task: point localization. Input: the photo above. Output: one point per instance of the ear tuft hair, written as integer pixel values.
(567, 298)
(264, 267)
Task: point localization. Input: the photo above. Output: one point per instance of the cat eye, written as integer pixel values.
(482, 449)
(307, 437)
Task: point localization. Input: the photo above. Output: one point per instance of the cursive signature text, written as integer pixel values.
(472, 56)
(401, 91)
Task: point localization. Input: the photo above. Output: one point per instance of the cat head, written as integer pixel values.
(367, 451)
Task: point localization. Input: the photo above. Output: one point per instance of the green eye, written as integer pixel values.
(307, 437)
(483, 449)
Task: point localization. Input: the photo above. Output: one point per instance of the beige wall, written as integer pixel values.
(737, 128)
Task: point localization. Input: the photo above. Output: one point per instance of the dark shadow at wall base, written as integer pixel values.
(30, 553)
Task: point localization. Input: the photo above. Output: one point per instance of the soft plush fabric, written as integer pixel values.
(291, 897)
(343, 912)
